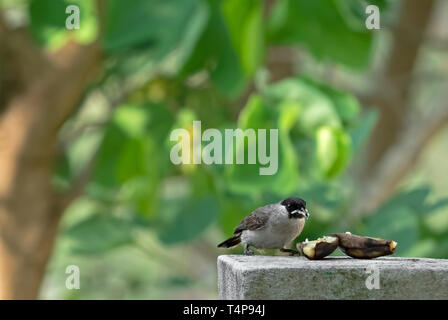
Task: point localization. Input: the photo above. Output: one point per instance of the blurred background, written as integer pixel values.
(86, 115)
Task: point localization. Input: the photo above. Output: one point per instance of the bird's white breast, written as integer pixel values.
(279, 232)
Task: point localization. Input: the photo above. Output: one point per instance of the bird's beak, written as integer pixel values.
(305, 213)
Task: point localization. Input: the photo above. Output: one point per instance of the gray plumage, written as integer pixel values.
(273, 226)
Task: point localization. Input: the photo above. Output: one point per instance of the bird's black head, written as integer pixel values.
(296, 207)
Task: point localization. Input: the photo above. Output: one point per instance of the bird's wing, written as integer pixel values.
(254, 221)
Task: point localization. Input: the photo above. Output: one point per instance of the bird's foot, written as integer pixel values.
(248, 252)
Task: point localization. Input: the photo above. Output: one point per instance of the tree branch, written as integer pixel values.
(85, 174)
(79, 184)
(3, 28)
(25, 62)
(398, 161)
(101, 15)
(392, 93)
(39, 92)
(78, 62)
(43, 89)
(396, 142)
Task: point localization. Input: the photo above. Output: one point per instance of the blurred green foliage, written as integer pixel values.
(309, 22)
(197, 59)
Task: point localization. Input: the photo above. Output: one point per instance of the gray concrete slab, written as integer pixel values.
(284, 277)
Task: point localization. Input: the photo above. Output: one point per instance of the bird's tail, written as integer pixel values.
(231, 242)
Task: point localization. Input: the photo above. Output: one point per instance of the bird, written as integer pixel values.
(273, 226)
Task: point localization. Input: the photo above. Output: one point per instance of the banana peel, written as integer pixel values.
(318, 249)
(364, 247)
(352, 245)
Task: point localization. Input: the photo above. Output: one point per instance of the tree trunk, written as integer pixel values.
(25, 250)
(396, 141)
(39, 91)
(393, 90)
(28, 221)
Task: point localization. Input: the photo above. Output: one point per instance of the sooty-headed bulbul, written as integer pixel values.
(273, 226)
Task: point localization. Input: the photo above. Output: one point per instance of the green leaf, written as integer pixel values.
(105, 172)
(354, 11)
(396, 223)
(98, 233)
(437, 205)
(188, 218)
(323, 28)
(247, 178)
(215, 53)
(133, 144)
(133, 157)
(48, 22)
(157, 24)
(256, 115)
(398, 218)
(333, 150)
(312, 122)
(47, 13)
(345, 104)
(245, 23)
(318, 108)
(417, 200)
(131, 119)
(414, 199)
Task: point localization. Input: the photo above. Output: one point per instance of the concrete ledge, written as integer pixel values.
(284, 277)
